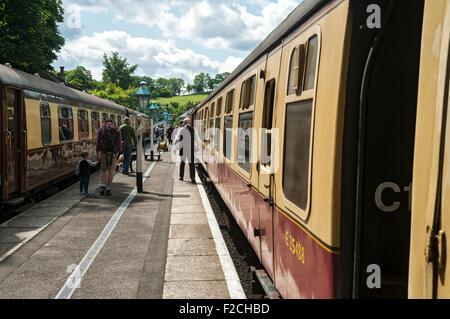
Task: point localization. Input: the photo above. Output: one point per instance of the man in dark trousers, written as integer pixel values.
(188, 139)
(128, 140)
(109, 143)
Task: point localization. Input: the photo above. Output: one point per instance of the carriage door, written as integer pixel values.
(267, 163)
(388, 121)
(14, 142)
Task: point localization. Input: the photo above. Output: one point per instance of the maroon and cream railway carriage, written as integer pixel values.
(44, 126)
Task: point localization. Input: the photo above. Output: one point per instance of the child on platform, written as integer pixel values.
(84, 172)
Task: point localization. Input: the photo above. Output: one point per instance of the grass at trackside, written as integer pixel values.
(182, 100)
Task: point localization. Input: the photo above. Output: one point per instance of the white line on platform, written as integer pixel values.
(74, 280)
(233, 282)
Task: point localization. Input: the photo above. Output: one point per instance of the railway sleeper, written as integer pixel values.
(262, 284)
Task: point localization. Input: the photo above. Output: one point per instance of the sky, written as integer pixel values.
(167, 38)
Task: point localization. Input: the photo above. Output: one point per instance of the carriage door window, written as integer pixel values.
(266, 140)
(217, 127)
(46, 124)
(83, 125)
(119, 120)
(12, 146)
(244, 155)
(228, 125)
(65, 119)
(113, 118)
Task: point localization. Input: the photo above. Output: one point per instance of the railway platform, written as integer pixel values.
(161, 244)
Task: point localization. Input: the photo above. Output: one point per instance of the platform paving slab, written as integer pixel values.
(188, 219)
(196, 290)
(191, 247)
(190, 231)
(194, 268)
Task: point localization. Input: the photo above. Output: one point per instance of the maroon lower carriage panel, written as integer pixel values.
(299, 263)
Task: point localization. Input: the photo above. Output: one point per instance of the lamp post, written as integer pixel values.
(143, 97)
(153, 111)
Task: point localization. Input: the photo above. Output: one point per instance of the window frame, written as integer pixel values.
(87, 124)
(248, 174)
(246, 92)
(73, 125)
(95, 133)
(50, 126)
(293, 98)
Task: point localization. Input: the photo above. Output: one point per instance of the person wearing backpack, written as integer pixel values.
(109, 144)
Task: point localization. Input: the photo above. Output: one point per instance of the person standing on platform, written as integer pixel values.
(188, 138)
(109, 143)
(128, 141)
(177, 130)
(84, 172)
(169, 134)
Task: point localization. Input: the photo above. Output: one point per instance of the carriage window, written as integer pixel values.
(297, 152)
(245, 140)
(227, 136)
(65, 120)
(229, 102)
(113, 118)
(95, 123)
(46, 124)
(217, 135)
(211, 127)
(119, 120)
(104, 118)
(311, 63)
(248, 91)
(83, 124)
(296, 70)
(212, 110)
(219, 107)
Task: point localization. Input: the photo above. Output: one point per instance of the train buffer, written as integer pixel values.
(162, 244)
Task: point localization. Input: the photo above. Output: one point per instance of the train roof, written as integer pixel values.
(13, 77)
(295, 19)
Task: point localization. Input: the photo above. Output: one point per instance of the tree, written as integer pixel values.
(29, 37)
(165, 92)
(189, 88)
(199, 83)
(175, 85)
(117, 71)
(136, 82)
(81, 78)
(115, 93)
(220, 78)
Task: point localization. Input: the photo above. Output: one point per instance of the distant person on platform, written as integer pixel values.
(128, 141)
(188, 138)
(109, 143)
(169, 134)
(177, 130)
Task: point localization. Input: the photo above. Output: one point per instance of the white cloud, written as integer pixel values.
(225, 25)
(217, 24)
(155, 57)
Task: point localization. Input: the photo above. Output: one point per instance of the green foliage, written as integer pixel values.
(203, 82)
(165, 92)
(117, 71)
(29, 34)
(115, 93)
(179, 105)
(81, 78)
